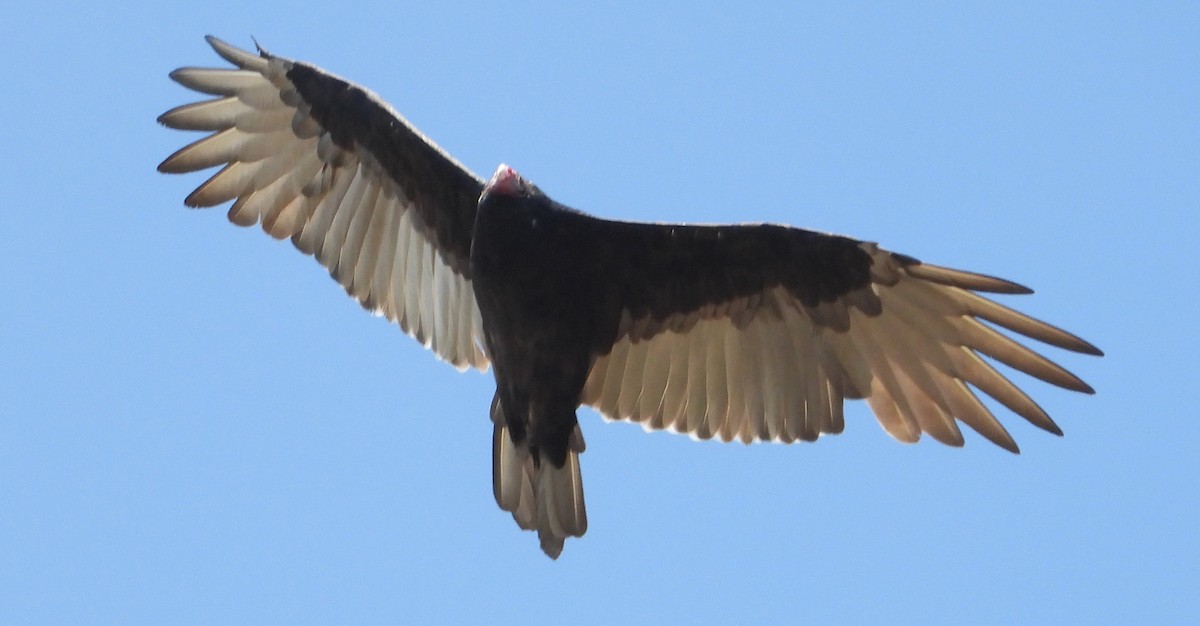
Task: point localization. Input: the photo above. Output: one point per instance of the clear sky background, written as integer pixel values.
(197, 426)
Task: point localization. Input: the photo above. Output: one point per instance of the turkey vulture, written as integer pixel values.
(754, 332)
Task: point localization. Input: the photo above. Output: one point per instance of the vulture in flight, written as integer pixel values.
(753, 332)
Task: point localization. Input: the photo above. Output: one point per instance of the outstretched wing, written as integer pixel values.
(759, 332)
(327, 163)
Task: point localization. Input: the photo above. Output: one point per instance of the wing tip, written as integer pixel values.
(1006, 443)
(1071, 382)
(262, 52)
(1074, 343)
(237, 56)
(179, 75)
(962, 279)
(1011, 287)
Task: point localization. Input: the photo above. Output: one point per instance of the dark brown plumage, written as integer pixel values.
(749, 332)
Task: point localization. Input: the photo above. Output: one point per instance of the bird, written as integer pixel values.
(749, 332)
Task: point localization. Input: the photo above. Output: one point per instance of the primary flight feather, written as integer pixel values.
(747, 332)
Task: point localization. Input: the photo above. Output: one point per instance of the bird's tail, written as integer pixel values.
(540, 496)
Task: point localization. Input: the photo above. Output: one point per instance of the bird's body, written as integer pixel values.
(753, 332)
(538, 325)
(538, 319)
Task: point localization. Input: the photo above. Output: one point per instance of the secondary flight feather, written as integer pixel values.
(747, 332)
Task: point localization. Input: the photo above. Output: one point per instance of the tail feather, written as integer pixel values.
(513, 477)
(540, 497)
(560, 509)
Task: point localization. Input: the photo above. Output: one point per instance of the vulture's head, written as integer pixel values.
(510, 193)
(507, 182)
(510, 201)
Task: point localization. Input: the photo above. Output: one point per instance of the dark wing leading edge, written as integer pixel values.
(330, 165)
(759, 332)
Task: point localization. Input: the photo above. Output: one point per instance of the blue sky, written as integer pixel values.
(197, 426)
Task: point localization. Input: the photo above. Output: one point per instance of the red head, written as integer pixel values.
(506, 181)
